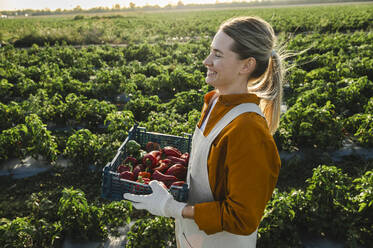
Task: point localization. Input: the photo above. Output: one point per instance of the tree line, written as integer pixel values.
(179, 5)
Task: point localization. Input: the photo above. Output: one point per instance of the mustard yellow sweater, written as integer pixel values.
(243, 166)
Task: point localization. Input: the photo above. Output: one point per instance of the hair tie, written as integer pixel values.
(273, 53)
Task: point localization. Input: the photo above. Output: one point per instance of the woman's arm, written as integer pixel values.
(251, 168)
(188, 212)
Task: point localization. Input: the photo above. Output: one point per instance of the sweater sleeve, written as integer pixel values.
(252, 167)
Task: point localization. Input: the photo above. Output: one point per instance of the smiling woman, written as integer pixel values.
(232, 138)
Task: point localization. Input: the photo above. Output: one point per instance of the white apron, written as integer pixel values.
(187, 231)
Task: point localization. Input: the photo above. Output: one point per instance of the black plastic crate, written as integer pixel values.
(113, 187)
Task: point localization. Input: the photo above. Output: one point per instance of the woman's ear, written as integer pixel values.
(248, 66)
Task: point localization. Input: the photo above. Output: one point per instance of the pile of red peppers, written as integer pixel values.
(166, 164)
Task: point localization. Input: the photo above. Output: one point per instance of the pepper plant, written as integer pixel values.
(41, 142)
(78, 220)
(362, 226)
(14, 142)
(17, 233)
(280, 220)
(310, 127)
(119, 123)
(83, 221)
(328, 194)
(82, 148)
(158, 232)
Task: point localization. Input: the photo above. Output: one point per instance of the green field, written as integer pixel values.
(72, 86)
(140, 27)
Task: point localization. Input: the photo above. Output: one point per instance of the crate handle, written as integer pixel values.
(187, 135)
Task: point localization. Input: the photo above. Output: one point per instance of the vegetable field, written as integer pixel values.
(71, 87)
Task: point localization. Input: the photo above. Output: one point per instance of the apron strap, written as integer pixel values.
(187, 231)
(222, 123)
(231, 115)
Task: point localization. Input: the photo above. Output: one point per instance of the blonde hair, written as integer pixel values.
(254, 37)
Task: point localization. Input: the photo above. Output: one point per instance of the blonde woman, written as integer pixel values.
(234, 163)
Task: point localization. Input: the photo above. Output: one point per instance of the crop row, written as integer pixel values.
(157, 27)
(330, 194)
(162, 86)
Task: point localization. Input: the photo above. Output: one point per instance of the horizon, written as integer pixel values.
(9, 5)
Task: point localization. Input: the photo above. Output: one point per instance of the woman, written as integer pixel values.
(234, 163)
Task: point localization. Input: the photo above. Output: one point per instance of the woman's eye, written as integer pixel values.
(217, 55)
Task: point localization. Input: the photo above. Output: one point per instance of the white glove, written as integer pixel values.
(160, 202)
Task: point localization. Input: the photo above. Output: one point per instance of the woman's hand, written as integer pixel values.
(160, 202)
(188, 212)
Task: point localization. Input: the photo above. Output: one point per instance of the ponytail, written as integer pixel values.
(270, 91)
(254, 37)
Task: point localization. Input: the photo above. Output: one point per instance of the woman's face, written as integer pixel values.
(223, 66)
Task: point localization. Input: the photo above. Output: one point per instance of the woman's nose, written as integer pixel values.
(207, 61)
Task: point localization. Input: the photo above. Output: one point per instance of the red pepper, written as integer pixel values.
(162, 167)
(171, 151)
(177, 170)
(138, 168)
(176, 160)
(143, 180)
(127, 164)
(185, 156)
(151, 146)
(157, 154)
(127, 175)
(178, 183)
(122, 168)
(130, 161)
(166, 179)
(144, 174)
(150, 160)
(166, 161)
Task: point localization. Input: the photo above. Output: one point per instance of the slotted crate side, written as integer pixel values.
(142, 137)
(113, 187)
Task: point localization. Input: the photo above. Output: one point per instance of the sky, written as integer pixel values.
(87, 4)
